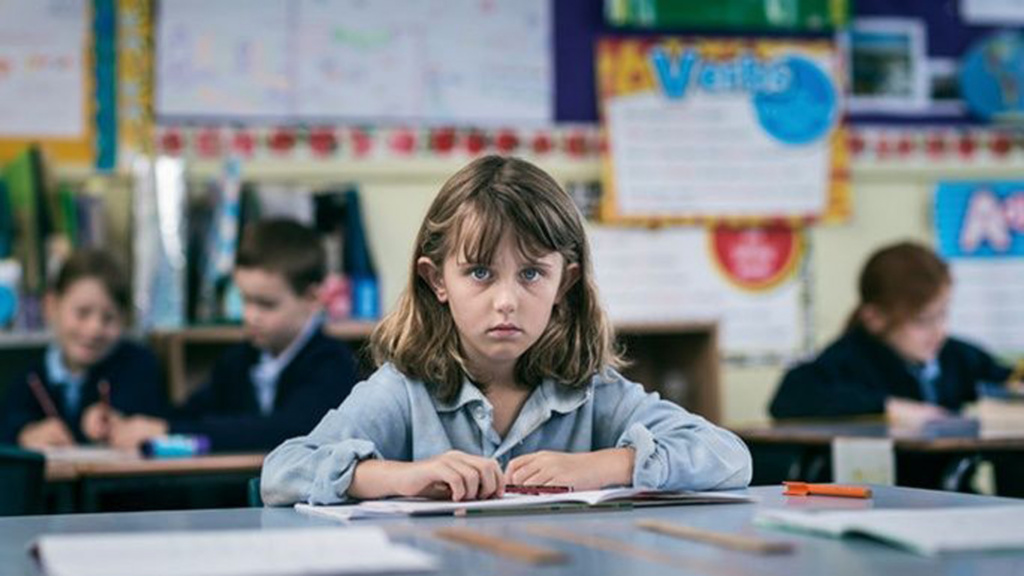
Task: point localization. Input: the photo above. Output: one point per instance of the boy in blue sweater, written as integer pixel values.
(288, 373)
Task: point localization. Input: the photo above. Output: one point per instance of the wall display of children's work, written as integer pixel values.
(721, 128)
(980, 231)
(45, 78)
(744, 277)
(459, 61)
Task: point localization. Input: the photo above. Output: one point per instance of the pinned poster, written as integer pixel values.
(705, 129)
(45, 78)
(980, 231)
(745, 278)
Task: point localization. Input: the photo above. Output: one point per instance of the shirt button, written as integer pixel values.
(478, 412)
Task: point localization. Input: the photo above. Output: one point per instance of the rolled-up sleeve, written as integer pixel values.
(373, 422)
(675, 450)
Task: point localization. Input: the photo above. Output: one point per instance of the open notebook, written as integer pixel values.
(300, 551)
(517, 503)
(928, 531)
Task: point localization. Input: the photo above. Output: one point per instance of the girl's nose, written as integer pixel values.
(505, 298)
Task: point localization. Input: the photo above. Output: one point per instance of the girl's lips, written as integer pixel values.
(504, 330)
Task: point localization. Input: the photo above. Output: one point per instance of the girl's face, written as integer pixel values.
(86, 322)
(500, 309)
(920, 338)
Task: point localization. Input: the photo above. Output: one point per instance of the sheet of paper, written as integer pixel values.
(511, 502)
(88, 454)
(924, 531)
(229, 553)
(42, 68)
(863, 460)
(388, 60)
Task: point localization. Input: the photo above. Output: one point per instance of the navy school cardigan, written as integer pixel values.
(226, 410)
(135, 382)
(858, 372)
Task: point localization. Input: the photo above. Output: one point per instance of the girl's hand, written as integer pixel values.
(49, 432)
(454, 475)
(129, 433)
(582, 471)
(98, 420)
(910, 413)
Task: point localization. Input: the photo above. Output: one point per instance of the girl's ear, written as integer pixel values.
(433, 277)
(874, 319)
(569, 279)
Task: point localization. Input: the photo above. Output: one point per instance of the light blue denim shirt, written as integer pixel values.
(394, 417)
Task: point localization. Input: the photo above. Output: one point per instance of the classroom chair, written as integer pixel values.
(21, 481)
(255, 500)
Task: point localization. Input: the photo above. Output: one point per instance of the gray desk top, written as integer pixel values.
(814, 555)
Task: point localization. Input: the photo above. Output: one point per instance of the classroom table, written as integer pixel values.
(813, 555)
(962, 440)
(79, 483)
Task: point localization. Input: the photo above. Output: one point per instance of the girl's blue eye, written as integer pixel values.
(480, 273)
(530, 274)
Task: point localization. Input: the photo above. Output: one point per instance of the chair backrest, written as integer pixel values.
(255, 500)
(21, 481)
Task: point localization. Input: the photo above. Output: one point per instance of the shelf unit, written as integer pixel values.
(678, 360)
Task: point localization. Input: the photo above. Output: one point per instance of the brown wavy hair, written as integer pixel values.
(900, 279)
(475, 208)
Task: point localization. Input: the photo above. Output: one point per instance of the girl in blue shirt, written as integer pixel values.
(498, 367)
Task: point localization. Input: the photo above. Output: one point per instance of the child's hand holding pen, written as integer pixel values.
(47, 433)
(50, 431)
(98, 419)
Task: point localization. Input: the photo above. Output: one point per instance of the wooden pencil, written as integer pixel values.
(502, 546)
(721, 539)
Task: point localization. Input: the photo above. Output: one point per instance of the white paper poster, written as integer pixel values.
(980, 228)
(42, 74)
(707, 129)
(451, 61)
(743, 279)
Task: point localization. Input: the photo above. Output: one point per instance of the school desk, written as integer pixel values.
(807, 446)
(812, 555)
(78, 484)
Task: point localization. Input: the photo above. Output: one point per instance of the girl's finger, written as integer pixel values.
(470, 478)
(456, 485)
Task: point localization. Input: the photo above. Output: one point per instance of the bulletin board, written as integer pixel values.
(46, 79)
(454, 62)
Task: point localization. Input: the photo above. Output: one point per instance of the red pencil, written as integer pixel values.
(104, 390)
(39, 391)
(536, 489)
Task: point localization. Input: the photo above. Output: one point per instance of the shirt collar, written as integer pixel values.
(468, 394)
(284, 358)
(57, 371)
(552, 396)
